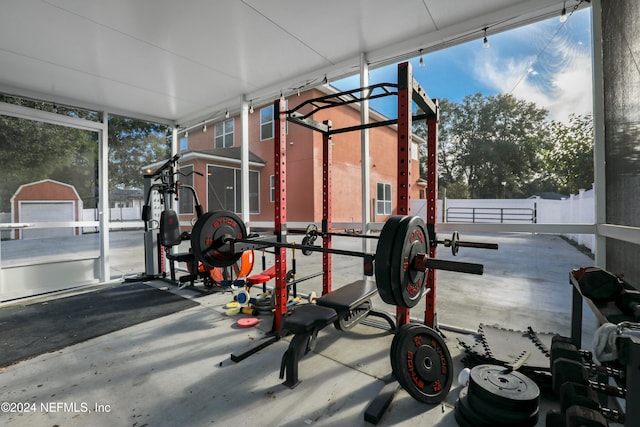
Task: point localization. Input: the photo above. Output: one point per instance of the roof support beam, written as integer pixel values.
(365, 156)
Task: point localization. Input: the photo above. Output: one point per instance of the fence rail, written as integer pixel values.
(490, 215)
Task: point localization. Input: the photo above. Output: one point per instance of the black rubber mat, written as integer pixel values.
(30, 330)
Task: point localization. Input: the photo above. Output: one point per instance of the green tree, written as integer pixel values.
(132, 144)
(492, 144)
(568, 160)
(32, 151)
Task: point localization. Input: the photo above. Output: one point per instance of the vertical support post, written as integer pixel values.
(405, 97)
(365, 155)
(326, 208)
(432, 218)
(599, 149)
(103, 203)
(280, 211)
(244, 161)
(576, 315)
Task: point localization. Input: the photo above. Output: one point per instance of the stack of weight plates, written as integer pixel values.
(496, 397)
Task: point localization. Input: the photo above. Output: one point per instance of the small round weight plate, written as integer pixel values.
(209, 238)
(243, 298)
(232, 311)
(502, 416)
(248, 322)
(507, 390)
(306, 242)
(384, 250)
(422, 363)
(408, 283)
(454, 243)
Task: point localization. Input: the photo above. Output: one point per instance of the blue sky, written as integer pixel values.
(548, 63)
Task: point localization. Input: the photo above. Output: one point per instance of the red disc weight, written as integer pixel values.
(248, 322)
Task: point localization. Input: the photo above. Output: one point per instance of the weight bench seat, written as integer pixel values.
(304, 321)
(344, 307)
(309, 317)
(349, 296)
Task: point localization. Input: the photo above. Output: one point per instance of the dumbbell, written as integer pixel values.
(628, 301)
(573, 394)
(563, 347)
(566, 370)
(560, 348)
(310, 298)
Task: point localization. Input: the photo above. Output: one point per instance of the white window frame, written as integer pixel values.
(271, 122)
(224, 134)
(384, 206)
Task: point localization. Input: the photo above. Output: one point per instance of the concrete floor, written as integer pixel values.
(176, 370)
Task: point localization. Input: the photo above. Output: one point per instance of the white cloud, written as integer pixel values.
(559, 80)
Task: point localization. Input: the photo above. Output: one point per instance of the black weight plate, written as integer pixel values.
(508, 390)
(460, 419)
(454, 243)
(502, 416)
(474, 418)
(394, 344)
(407, 283)
(384, 250)
(306, 241)
(422, 363)
(209, 234)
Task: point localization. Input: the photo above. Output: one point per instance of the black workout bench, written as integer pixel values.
(344, 307)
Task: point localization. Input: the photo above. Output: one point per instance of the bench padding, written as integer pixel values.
(349, 296)
(308, 317)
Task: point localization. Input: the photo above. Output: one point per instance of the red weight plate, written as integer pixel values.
(248, 322)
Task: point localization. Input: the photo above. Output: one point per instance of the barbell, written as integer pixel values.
(312, 233)
(400, 262)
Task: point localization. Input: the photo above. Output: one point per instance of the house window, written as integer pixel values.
(224, 134)
(224, 190)
(185, 197)
(266, 123)
(184, 143)
(383, 204)
(272, 188)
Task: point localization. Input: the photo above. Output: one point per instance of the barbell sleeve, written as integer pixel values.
(477, 245)
(423, 262)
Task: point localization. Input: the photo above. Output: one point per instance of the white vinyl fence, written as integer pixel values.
(577, 209)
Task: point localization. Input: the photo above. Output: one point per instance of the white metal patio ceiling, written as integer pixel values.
(182, 61)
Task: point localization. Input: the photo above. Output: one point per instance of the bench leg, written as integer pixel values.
(299, 346)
